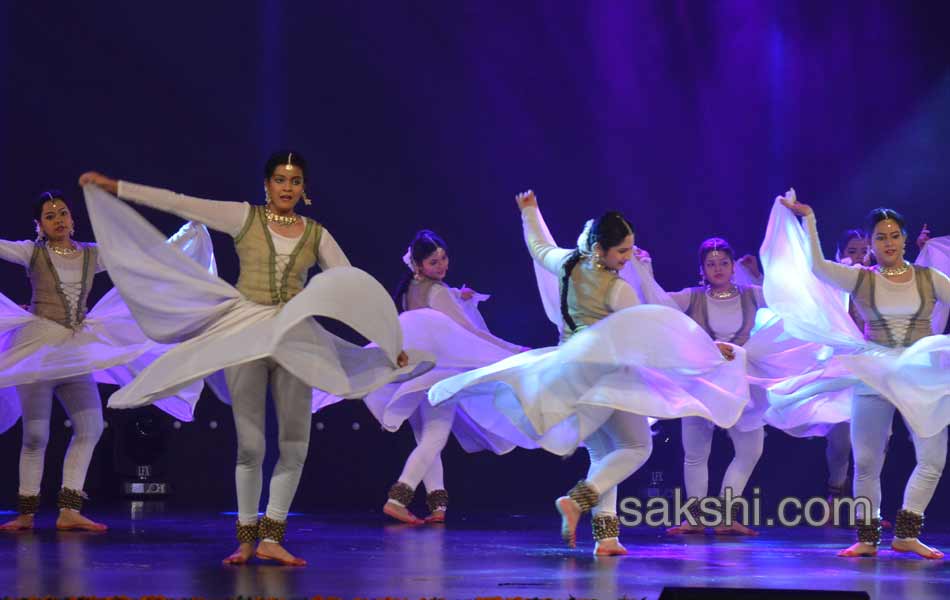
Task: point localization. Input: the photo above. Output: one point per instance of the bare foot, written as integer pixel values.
(401, 513)
(21, 523)
(240, 556)
(859, 549)
(272, 551)
(570, 515)
(611, 547)
(735, 529)
(70, 520)
(436, 516)
(685, 528)
(917, 547)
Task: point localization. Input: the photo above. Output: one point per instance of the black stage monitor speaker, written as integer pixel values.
(690, 593)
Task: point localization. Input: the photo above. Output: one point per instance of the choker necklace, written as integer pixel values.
(279, 219)
(723, 295)
(893, 271)
(63, 251)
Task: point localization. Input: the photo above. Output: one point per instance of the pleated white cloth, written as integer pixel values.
(215, 327)
(915, 379)
(110, 345)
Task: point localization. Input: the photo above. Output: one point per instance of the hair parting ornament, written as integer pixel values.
(290, 167)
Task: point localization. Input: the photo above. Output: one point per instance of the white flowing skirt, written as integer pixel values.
(214, 327)
(648, 360)
(110, 345)
(476, 425)
(916, 380)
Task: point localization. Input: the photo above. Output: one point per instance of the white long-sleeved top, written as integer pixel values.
(68, 268)
(551, 257)
(897, 302)
(725, 316)
(229, 218)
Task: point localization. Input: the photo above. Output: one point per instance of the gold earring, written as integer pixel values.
(306, 200)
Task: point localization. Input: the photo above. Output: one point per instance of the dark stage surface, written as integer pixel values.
(361, 555)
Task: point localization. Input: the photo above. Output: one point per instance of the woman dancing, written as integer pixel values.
(617, 365)
(445, 322)
(62, 348)
(895, 365)
(260, 334)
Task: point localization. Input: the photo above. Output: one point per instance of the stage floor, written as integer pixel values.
(178, 554)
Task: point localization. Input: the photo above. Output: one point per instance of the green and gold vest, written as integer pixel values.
(258, 280)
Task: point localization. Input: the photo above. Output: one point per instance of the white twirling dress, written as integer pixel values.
(108, 343)
(214, 326)
(916, 379)
(647, 360)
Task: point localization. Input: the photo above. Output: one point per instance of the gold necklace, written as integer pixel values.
(893, 271)
(724, 295)
(63, 251)
(280, 219)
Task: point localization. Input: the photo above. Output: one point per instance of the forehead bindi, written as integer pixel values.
(283, 172)
(54, 208)
(887, 227)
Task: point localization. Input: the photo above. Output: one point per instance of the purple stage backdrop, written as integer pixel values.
(688, 116)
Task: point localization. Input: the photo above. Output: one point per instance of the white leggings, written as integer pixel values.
(838, 454)
(80, 398)
(247, 384)
(871, 418)
(697, 445)
(431, 426)
(617, 449)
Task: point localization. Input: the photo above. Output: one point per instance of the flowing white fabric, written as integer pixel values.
(936, 255)
(771, 354)
(456, 350)
(643, 360)
(454, 332)
(109, 344)
(216, 327)
(915, 379)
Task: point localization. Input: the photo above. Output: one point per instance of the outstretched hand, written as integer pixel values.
(525, 199)
(924, 237)
(98, 179)
(726, 350)
(751, 264)
(789, 201)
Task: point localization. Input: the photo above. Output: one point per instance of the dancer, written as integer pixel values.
(445, 322)
(62, 348)
(895, 365)
(261, 334)
(595, 387)
(727, 312)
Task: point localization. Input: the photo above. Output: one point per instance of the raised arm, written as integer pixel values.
(16, 252)
(227, 217)
(536, 235)
(838, 275)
